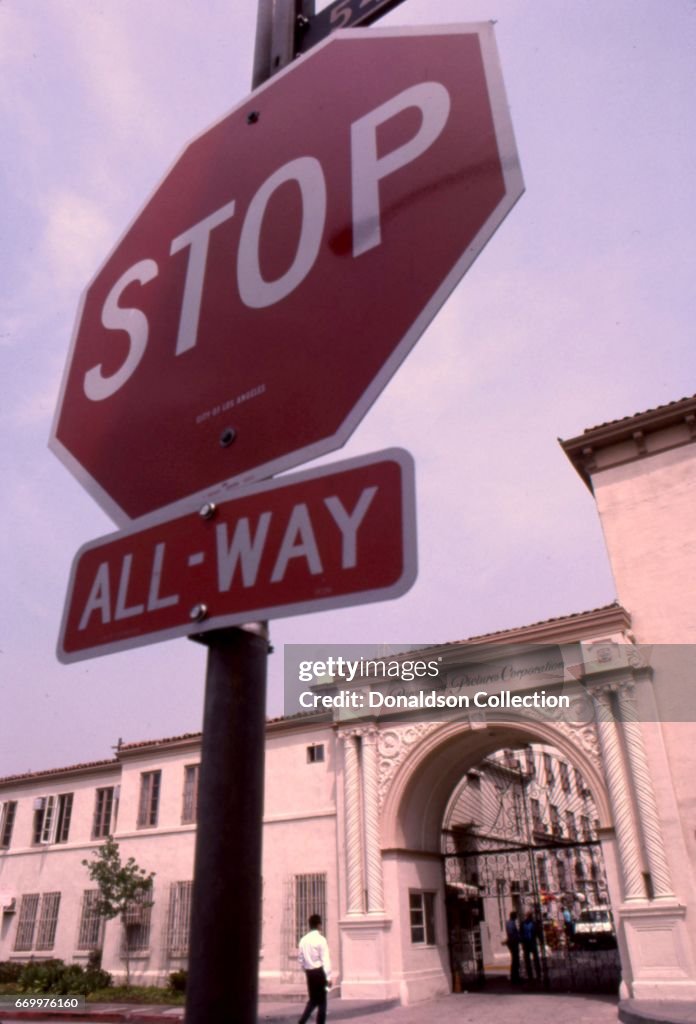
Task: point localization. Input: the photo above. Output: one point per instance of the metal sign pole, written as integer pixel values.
(225, 927)
(223, 971)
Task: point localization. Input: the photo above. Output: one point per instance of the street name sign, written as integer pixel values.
(285, 266)
(325, 538)
(340, 14)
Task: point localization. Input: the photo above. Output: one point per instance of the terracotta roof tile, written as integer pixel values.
(26, 776)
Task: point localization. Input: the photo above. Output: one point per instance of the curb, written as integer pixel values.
(637, 1011)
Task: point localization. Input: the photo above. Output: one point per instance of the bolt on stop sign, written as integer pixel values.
(284, 267)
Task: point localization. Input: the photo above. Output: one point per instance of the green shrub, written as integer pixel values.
(177, 981)
(41, 977)
(59, 978)
(9, 972)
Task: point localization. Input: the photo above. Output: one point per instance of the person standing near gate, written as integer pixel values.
(529, 935)
(316, 963)
(513, 944)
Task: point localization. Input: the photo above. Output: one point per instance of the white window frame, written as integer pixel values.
(53, 811)
(421, 916)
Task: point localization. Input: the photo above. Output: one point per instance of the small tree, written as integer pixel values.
(124, 889)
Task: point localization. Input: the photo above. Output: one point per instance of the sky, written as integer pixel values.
(579, 310)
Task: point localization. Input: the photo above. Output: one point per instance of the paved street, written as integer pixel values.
(487, 1008)
(467, 1008)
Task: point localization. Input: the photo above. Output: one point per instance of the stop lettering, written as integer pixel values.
(288, 261)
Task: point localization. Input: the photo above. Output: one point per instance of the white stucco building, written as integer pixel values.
(355, 806)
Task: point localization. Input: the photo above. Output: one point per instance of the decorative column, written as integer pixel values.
(351, 790)
(373, 855)
(619, 794)
(648, 818)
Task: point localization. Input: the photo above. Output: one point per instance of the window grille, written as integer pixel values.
(148, 806)
(189, 812)
(7, 817)
(103, 810)
(28, 907)
(178, 919)
(310, 898)
(48, 920)
(422, 917)
(91, 923)
(135, 936)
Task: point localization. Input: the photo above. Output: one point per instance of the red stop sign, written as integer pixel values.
(288, 261)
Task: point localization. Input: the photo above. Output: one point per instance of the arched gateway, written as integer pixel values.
(403, 772)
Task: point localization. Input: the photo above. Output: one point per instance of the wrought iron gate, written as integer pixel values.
(520, 835)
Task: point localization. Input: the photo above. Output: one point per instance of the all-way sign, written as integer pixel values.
(340, 535)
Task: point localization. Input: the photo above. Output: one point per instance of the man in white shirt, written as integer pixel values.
(316, 963)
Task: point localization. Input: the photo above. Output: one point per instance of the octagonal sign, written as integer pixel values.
(284, 267)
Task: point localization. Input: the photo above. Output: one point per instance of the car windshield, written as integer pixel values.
(594, 915)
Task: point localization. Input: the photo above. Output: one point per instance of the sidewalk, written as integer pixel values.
(468, 1008)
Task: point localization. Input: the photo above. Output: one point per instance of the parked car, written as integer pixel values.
(594, 929)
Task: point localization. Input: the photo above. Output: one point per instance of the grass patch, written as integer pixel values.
(137, 994)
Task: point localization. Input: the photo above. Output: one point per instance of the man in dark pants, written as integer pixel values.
(529, 933)
(513, 943)
(316, 963)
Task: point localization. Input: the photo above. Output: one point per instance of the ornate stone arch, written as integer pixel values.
(418, 787)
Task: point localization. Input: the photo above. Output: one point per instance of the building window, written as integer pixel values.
(537, 820)
(135, 937)
(542, 872)
(52, 818)
(310, 898)
(148, 806)
(315, 753)
(556, 826)
(30, 935)
(7, 817)
(421, 907)
(28, 907)
(565, 776)
(105, 805)
(571, 827)
(91, 929)
(189, 810)
(548, 768)
(178, 919)
(586, 828)
(562, 876)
